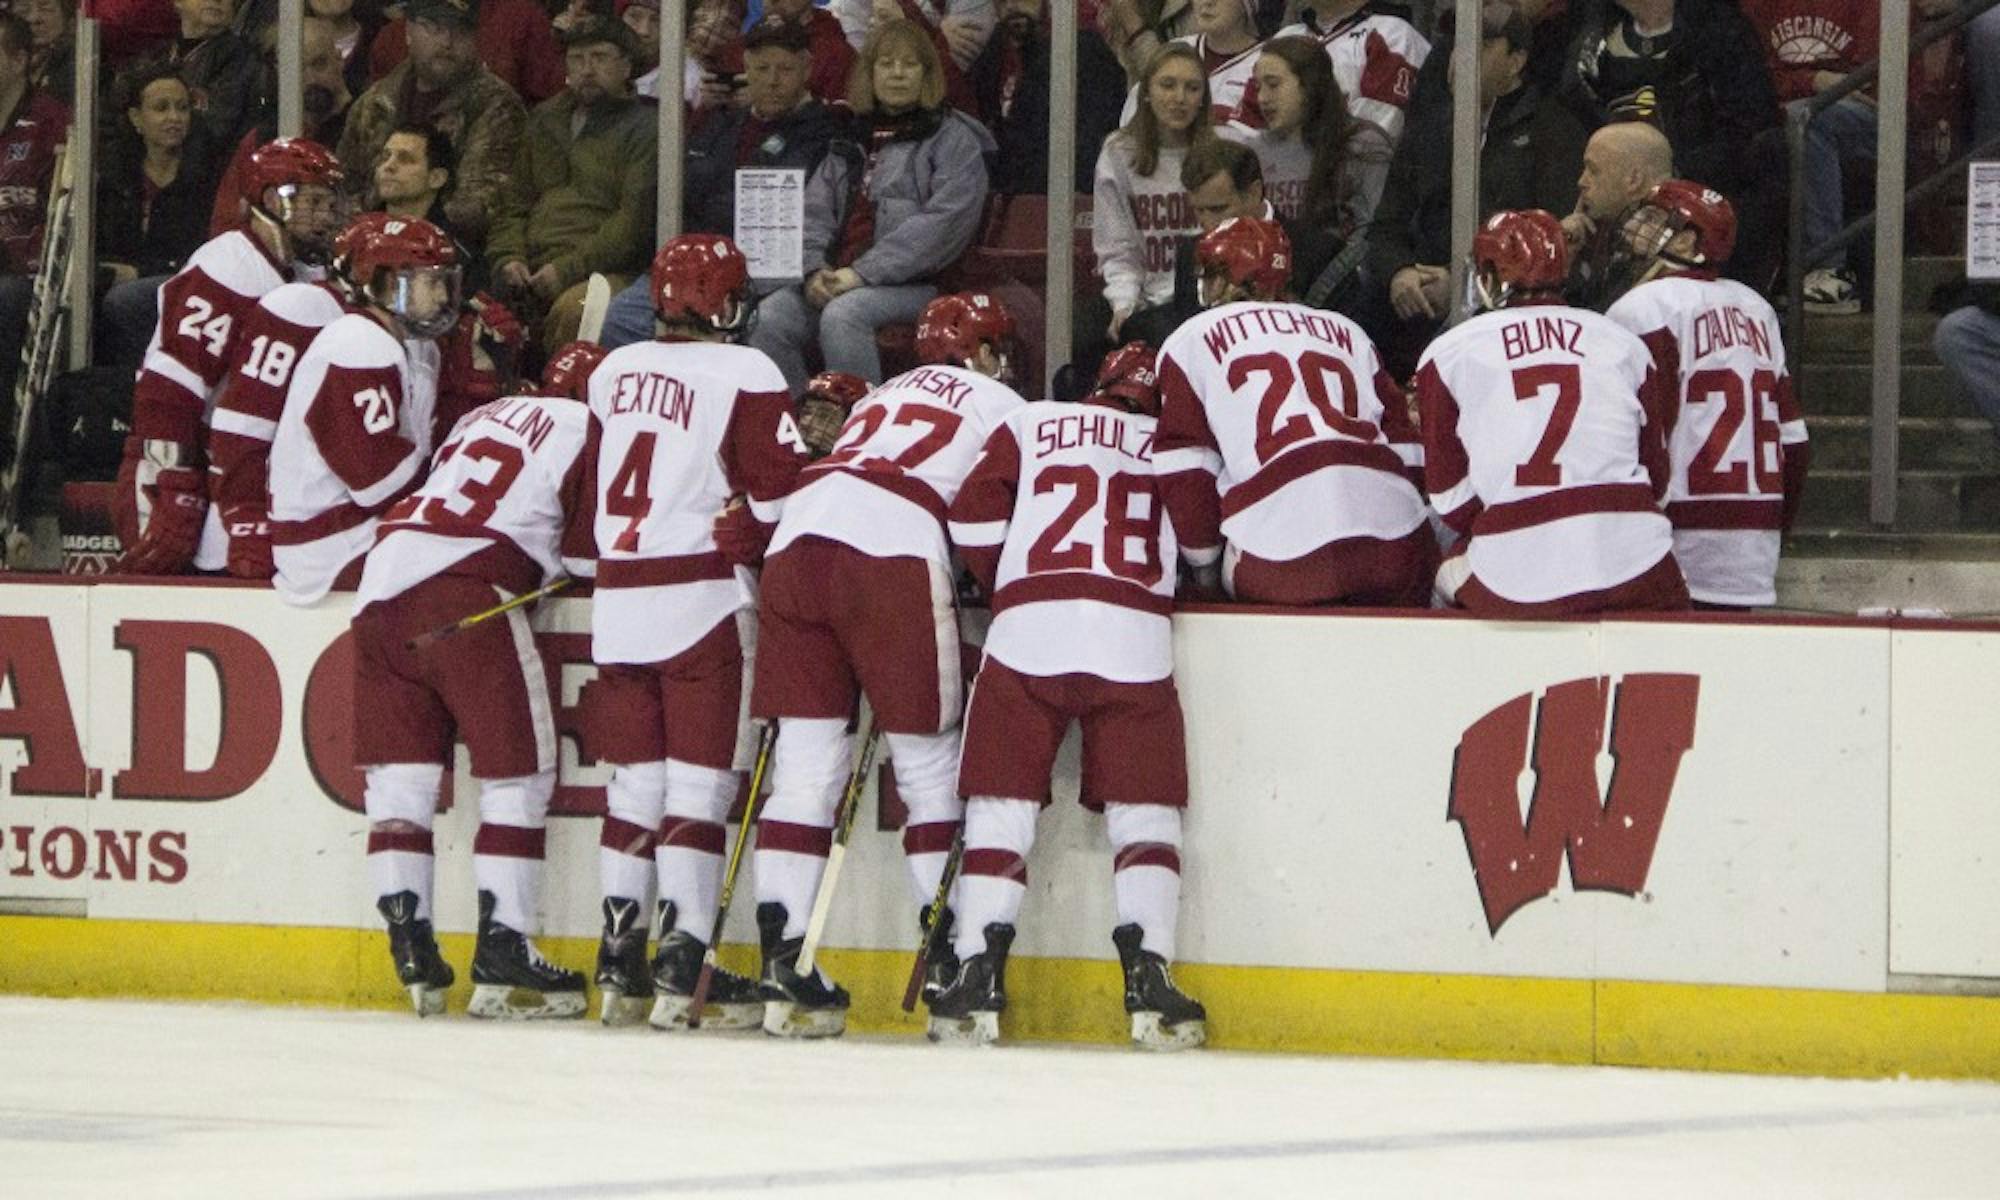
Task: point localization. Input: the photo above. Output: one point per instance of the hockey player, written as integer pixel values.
(1735, 435)
(292, 194)
(1282, 434)
(356, 430)
(690, 421)
(1538, 443)
(505, 511)
(858, 596)
(1062, 525)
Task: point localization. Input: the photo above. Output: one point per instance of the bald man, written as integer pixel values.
(1622, 163)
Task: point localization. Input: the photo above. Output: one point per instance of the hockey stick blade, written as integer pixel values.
(925, 948)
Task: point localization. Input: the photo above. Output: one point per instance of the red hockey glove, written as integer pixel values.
(496, 330)
(249, 530)
(740, 536)
(173, 529)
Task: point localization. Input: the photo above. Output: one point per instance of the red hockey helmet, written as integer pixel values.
(953, 327)
(1130, 375)
(306, 222)
(1249, 252)
(567, 373)
(703, 278)
(421, 287)
(1677, 204)
(1523, 251)
(289, 162)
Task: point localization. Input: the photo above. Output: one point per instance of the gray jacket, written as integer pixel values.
(929, 196)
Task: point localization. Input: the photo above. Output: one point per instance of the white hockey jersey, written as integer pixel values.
(1061, 521)
(902, 456)
(507, 500)
(353, 439)
(1280, 431)
(683, 427)
(1538, 445)
(1735, 435)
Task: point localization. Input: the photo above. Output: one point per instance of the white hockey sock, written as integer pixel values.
(692, 842)
(401, 801)
(401, 861)
(1146, 870)
(507, 851)
(796, 828)
(993, 880)
(927, 779)
(634, 801)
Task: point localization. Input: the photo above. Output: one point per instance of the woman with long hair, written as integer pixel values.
(1302, 145)
(883, 215)
(1140, 211)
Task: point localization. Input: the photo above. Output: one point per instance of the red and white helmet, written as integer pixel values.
(702, 278)
(404, 265)
(1251, 253)
(1516, 253)
(1677, 204)
(953, 327)
(567, 373)
(1131, 376)
(289, 166)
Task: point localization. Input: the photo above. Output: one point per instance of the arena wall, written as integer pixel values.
(1742, 844)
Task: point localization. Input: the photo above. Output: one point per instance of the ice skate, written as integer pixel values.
(967, 1010)
(511, 981)
(941, 968)
(795, 1006)
(422, 970)
(625, 987)
(733, 1002)
(1163, 1017)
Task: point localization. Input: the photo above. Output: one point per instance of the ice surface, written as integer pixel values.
(101, 1098)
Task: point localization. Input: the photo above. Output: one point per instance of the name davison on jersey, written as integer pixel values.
(525, 418)
(1090, 428)
(1721, 328)
(1533, 336)
(1235, 327)
(952, 391)
(661, 396)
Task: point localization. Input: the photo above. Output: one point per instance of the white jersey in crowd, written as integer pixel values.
(1732, 429)
(1285, 160)
(507, 500)
(1538, 445)
(354, 438)
(1229, 78)
(683, 427)
(1065, 495)
(1375, 57)
(1282, 419)
(1137, 223)
(901, 458)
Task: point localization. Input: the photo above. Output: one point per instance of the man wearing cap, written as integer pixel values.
(581, 199)
(442, 84)
(515, 40)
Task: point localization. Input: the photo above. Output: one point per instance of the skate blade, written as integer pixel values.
(671, 1012)
(784, 1019)
(1149, 1034)
(617, 1010)
(427, 1000)
(979, 1029)
(500, 1002)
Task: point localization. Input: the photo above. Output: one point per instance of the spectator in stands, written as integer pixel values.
(323, 82)
(1141, 212)
(1225, 38)
(129, 30)
(1011, 81)
(582, 196)
(354, 32)
(1302, 143)
(711, 76)
(1968, 342)
(642, 17)
(1376, 54)
(1135, 29)
(832, 56)
(514, 38)
(1531, 150)
(442, 84)
(32, 124)
(959, 28)
(413, 179)
(1622, 164)
(223, 71)
(884, 217)
(53, 66)
(153, 203)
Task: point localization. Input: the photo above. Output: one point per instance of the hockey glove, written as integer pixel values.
(173, 529)
(249, 530)
(740, 536)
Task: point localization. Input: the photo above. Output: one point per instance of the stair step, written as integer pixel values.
(1923, 273)
(1848, 389)
(1893, 546)
(1852, 338)
(1926, 500)
(1925, 443)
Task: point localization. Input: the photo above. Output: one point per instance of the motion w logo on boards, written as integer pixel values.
(1609, 841)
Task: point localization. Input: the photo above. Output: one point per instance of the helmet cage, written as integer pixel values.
(317, 249)
(394, 290)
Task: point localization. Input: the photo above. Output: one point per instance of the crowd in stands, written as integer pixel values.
(527, 130)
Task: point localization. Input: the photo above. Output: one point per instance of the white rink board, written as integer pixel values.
(1322, 756)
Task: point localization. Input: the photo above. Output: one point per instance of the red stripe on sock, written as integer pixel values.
(816, 840)
(934, 837)
(997, 864)
(509, 841)
(686, 833)
(623, 837)
(415, 841)
(1148, 854)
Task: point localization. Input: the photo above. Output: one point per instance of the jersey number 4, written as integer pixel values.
(1055, 551)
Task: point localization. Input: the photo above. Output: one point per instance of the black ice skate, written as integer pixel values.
(967, 1011)
(795, 1005)
(1163, 1017)
(422, 970)
(732, 1001)
(511, 981)
(941, 967)
(623, 982)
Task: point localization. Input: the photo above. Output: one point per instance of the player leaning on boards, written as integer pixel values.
(1734, 431)
(1281, 435)
(690, 421)
(1541, 443)
(1062, 525)
(858, 599)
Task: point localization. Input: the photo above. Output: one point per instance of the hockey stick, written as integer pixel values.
(843, 828)
(424, 640)
(915, 987)
(596, 302)
(766, 738)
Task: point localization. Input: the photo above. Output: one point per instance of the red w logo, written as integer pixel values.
(1610, 844)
